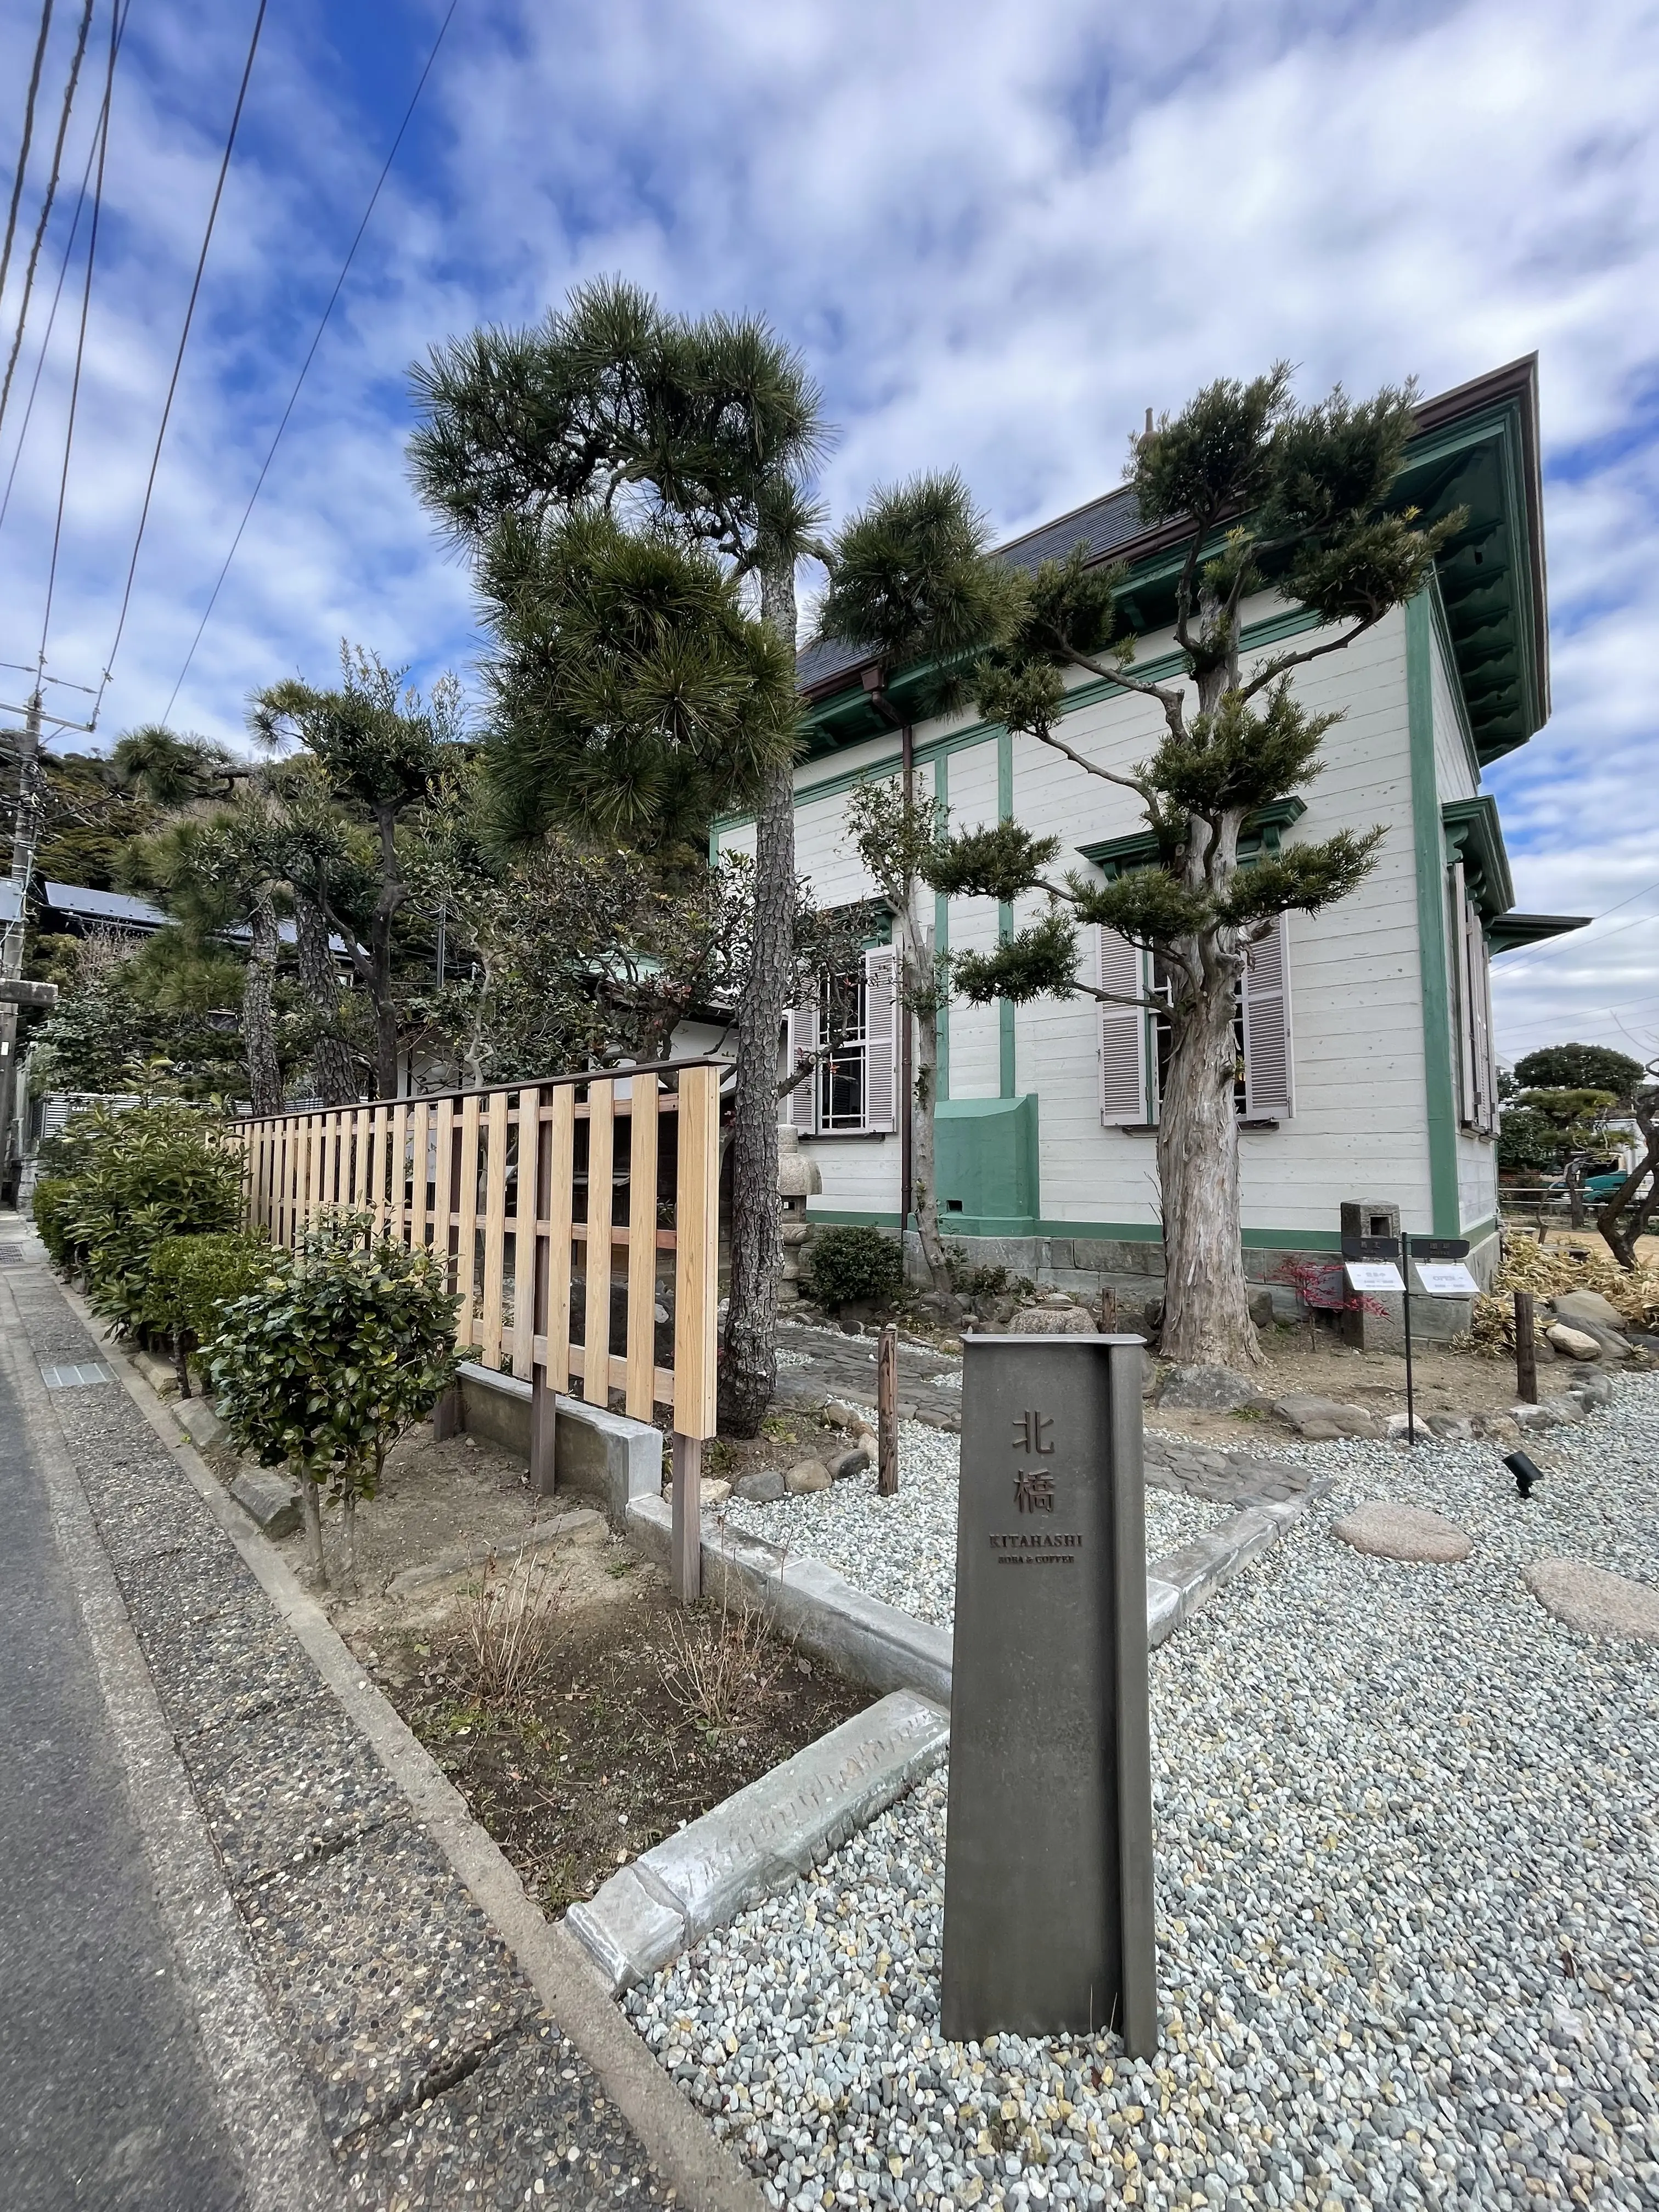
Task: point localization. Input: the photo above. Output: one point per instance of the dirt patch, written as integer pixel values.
(612, 1750)
(786, 1437)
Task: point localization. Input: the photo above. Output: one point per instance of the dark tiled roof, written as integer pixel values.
(1101, 526)
(84, 905)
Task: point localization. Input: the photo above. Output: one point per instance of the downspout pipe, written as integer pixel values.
(875, 690)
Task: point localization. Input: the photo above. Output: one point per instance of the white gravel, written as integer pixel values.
(1409, 1904)
(903, 1549)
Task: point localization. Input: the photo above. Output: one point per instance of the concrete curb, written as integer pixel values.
(760, 1839)
(702, 2170)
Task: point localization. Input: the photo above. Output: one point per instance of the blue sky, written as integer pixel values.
(998, 230)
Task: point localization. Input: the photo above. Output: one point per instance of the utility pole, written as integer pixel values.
(26, 832)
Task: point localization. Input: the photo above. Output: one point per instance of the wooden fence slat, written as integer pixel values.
(339, 1156)
(494, 1236)
(291, 1182)
(398, 1211)
(560, 1196)
(596, 1313)
(466, 1253)
(420, 1120)
(443, 1186)
(379, 1148)
(314, 1166)
(360, 1160)
(642, 1245)
(524, 1236)
(697, 1255)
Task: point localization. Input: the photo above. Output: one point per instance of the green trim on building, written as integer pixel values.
(1473, 831)
(1454, 681)
(1429, 848)
(942, 922)
(1005, 915)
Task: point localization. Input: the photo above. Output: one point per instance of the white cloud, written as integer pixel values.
(998, 232)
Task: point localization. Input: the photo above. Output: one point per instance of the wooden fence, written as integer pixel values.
(554, 1283)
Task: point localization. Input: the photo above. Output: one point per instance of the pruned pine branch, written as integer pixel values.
(1092, 767)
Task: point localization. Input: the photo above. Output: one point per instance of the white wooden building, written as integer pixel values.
(1365, 1031)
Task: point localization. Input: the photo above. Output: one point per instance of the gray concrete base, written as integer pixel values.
(764, 1837)
(604, 1455)
(1183, 1583)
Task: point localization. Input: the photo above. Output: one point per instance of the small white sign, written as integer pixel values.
(1374, 1275)
(1447, 1278)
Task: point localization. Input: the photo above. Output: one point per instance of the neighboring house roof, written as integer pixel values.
(76, 903)
(1476, 447)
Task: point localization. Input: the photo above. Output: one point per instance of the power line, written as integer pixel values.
(46, 204)
(118, 15)
(1572, 942)
(179, 358)
(28, 136)
(51, 319)
(386, 169)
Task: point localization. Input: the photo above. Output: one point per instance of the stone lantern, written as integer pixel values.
(799, 1179)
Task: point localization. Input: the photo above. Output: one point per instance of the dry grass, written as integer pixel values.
(513, 1623)
(721, 1664)
(1583, 1262)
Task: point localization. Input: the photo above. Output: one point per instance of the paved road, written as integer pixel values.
(104, 2100)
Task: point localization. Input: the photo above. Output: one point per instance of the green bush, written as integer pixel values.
(52, 1199)
(339, 1348)
(848, 1264)
(190, 1278)
(128, 1181)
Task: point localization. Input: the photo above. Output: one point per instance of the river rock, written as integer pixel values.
(809, 1474)
(1206, 1390)
(1576, 1306)
(1052, 1321)
(714, 1490)
(1577, 1343)
(1591, 1388)
(1320, 1419)
(847, 1465)
(760, 1489)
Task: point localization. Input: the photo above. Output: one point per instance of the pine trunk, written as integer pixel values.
(748, 1368)
(1206, 1318)
(333, 1077)
(920, 1105)
(264, 1076)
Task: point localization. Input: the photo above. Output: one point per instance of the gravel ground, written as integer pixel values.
(1409, 1904)
(903, 1549)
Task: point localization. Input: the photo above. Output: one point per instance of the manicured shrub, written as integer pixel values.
(338, 1349)
(190, 1278)
(123, 1182)
(848, 1264)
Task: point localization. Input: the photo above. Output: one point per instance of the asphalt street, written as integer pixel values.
(104, 2096)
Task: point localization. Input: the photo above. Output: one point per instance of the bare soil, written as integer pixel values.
(609, 1751)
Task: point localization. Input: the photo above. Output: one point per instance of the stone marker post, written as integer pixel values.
(1048, 1860)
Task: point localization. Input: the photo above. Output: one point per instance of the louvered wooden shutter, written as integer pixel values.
(880, 1037)
(1469, 1088)
(1123, 1031)
(1486, 1073)
(1268, 1092)
(801, 1034)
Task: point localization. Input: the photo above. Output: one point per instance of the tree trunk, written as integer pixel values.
(310, 1506)
(748, 1369)
(348, 1530)
(1206, 1318)
(181, 1361)
(1576, 1194)
(264, 1076)
(1623, 1219)
(924, 1181)
(333, 1076)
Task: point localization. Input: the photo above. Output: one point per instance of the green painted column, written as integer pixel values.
(942, 918)
(1440, 1098)
(1005, 913)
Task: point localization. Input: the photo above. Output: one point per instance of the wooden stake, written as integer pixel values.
(1526, 1350)
(685, 1548)
(543, 1417)
(887, 1412)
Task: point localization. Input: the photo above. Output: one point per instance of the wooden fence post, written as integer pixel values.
(1526, 1350)
(887, 1412)
(696, 1291)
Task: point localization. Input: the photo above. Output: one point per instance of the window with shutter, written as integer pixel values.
(1468, 1083)
(880, 1037)
(801, 1036)
(1266, 1025)
(1486, 1059)
(1120, 969)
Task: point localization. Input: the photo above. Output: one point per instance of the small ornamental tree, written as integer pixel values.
(190, 1279)
(1266, 495)
(1580, 1067)
(341, 1347)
